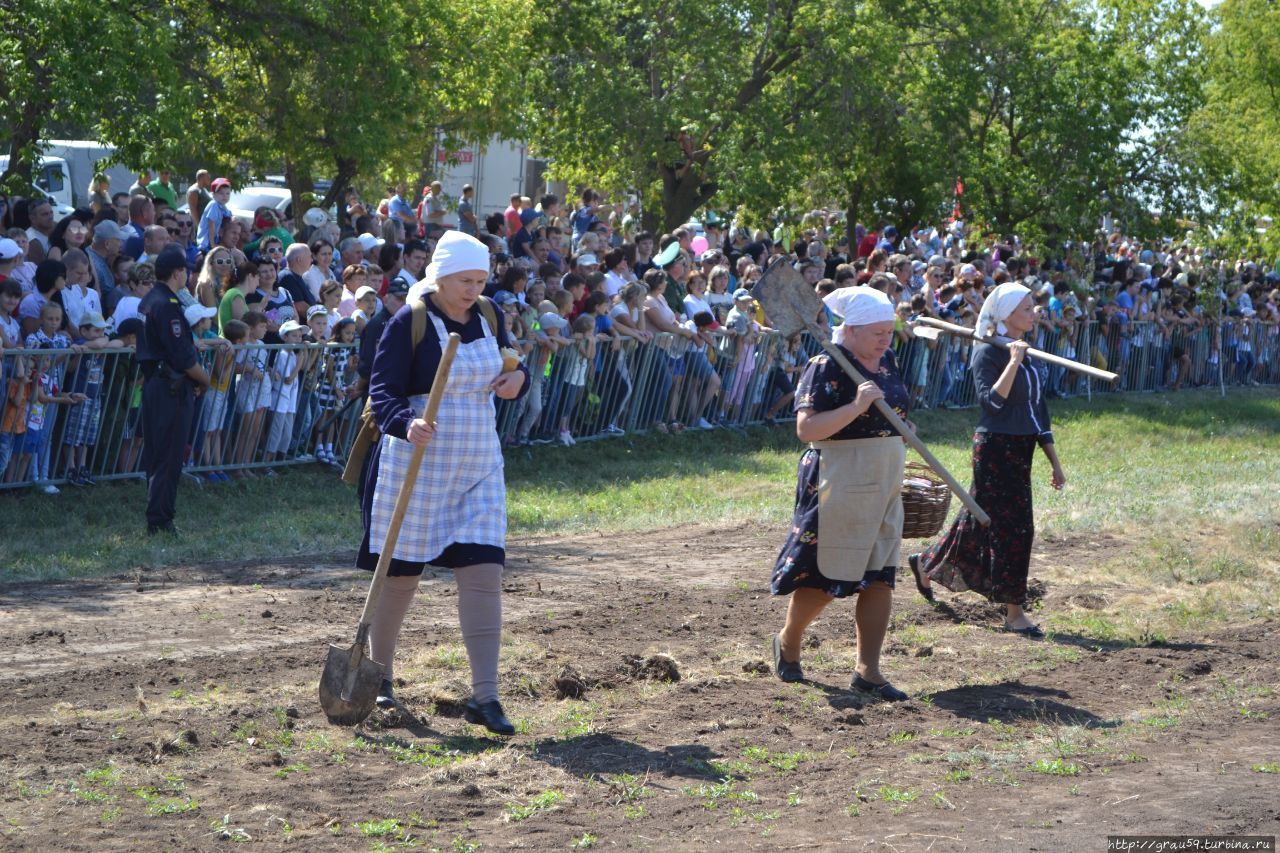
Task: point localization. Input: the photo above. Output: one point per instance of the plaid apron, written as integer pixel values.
(460, 494)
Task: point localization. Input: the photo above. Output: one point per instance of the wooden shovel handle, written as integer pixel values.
(410, 478)
(905, 431)
(1069, 364)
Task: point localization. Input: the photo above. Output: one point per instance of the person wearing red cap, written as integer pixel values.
(215, 214)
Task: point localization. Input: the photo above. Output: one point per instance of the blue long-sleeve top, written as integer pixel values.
(1024, 411)
(395, 378)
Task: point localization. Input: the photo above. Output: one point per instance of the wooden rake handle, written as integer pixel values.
(410, 479)
(1069, 364)
(905, 431)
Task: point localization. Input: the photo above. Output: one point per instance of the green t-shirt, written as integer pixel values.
(224, 307)
(168, 192)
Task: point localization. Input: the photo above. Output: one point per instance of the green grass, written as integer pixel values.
(1185, 459)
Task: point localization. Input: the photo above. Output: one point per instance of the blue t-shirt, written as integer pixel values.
(398, 208)
(211, 225)
(582, 221)
(604, 325)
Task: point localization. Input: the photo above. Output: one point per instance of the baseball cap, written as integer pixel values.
(93, 318)
(668, 255)
(917, 266)
(969, 271)
(315, 217)
(9, 249)
(316, 311)
(741, 293)
(505, 297)
(107, 230)
(709, 255)
(588, 260)
(290, 326)
(937, 261)
(368, 242)
(193, 313)
(219, 183)
(365, 290)
(398, 287)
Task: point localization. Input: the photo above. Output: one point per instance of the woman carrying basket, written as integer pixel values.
(457, 518)
(847, 526)
(994, 561)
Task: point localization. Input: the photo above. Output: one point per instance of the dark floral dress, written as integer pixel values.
(825, 386)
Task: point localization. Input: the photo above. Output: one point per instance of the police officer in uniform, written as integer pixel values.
(167, 358)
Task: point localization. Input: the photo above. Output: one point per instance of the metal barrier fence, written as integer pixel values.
(255, 418)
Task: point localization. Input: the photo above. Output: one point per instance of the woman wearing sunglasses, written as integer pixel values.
(215, 276)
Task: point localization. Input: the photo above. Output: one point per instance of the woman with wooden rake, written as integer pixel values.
(994, 561)
(847, 525)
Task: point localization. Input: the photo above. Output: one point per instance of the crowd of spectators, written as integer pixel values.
(623, 329)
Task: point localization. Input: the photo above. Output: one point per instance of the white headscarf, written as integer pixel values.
(456, 252)
(1000, 304)
(858, 306)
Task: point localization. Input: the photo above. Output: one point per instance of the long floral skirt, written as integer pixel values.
(991, 561)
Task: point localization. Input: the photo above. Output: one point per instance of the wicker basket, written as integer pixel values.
(924, 508)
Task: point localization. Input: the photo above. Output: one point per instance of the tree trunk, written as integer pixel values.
(344, 173)
(682, 195)
(298, 181)
(851, 217)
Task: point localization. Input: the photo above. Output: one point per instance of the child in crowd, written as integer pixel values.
(213, 415)
(10, 328)
(253, 392)
(13, 423)
(354, 277)
(284, 376)
(575, 375)
(366, 307)
(24, 272)
(84, 420)
(334, 387)
(791, 364)
(45, 394)
(51, 277)
(746, 333)
(130, 451)
(330, 296)
(79, 296)
(545, 343)
(318, 323)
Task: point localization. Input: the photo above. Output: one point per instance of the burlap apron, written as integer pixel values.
(859, 505)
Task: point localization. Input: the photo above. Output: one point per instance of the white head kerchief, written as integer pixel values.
(456, 252)
(1000, 304)
(858, 306)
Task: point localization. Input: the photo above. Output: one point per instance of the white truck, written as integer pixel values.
(66, 168)
(496, 170)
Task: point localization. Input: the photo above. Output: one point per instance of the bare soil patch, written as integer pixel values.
(176, 709)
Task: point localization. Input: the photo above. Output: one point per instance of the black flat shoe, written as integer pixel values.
(885, 691)
(386, 695)
(788, 671)
(1031, 632)
(925, 592)
(490, 715)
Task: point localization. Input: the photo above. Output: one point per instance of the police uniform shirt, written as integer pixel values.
(166, 335)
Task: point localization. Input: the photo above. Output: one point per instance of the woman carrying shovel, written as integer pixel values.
(994, 561)
(457, 517)
(847, 526)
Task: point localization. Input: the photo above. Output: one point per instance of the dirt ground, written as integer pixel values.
(176, 709)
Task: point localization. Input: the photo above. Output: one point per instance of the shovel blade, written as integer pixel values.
(338, 671)
(789, 304)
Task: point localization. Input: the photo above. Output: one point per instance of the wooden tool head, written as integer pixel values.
(790, 304)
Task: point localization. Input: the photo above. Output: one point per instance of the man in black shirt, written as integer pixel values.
(167, 357)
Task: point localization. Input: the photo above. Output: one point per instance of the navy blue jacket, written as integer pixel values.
(1024, 411)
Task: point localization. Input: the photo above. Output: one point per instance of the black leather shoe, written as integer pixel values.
(386, 695)
(157, 529)
(488, 714)
(926, 592)
(1031, 632)
(885, 691)
(788, 671)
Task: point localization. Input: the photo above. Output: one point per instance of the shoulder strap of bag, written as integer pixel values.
(486, 308)
(369, 433)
